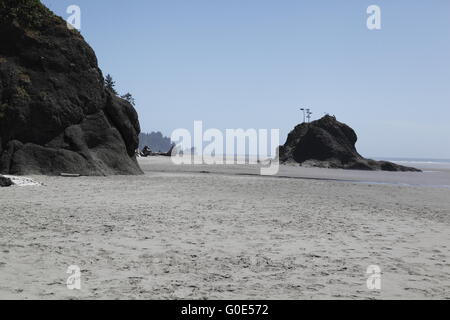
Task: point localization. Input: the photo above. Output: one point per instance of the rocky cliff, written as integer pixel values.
(329, 143)
(55, 113)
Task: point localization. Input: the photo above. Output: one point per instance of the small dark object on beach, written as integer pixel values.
(5, 182)
(146, 152)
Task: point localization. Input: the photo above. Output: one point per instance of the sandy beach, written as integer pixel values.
(224, 232)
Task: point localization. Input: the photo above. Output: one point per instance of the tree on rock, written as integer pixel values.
(110, 84)
(129, 97)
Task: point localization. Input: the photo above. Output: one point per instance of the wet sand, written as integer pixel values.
(224, 232)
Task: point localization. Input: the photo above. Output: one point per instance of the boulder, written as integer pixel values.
(5, 182)
(55, 113)
(329, 143)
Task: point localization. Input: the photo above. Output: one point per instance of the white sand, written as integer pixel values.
(176, 232)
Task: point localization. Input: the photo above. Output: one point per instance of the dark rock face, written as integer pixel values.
(329, 143)
(55, 113)
(5, 182)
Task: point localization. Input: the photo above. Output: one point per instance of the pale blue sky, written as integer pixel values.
(253, 63)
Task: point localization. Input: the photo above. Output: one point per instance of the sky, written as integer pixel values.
(254, 63)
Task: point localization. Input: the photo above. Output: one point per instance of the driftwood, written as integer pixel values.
(70, 175)
(147, 152)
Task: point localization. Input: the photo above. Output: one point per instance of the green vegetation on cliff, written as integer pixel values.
(30, 13)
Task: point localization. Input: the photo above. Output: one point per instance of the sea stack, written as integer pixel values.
(328, 143)
(55, 113)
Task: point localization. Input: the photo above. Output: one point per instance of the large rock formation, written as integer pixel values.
(329, 143)
(55, 113)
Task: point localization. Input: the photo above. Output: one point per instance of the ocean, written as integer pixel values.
(421, 163)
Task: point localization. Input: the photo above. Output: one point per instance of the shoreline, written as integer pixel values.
(438, 178)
